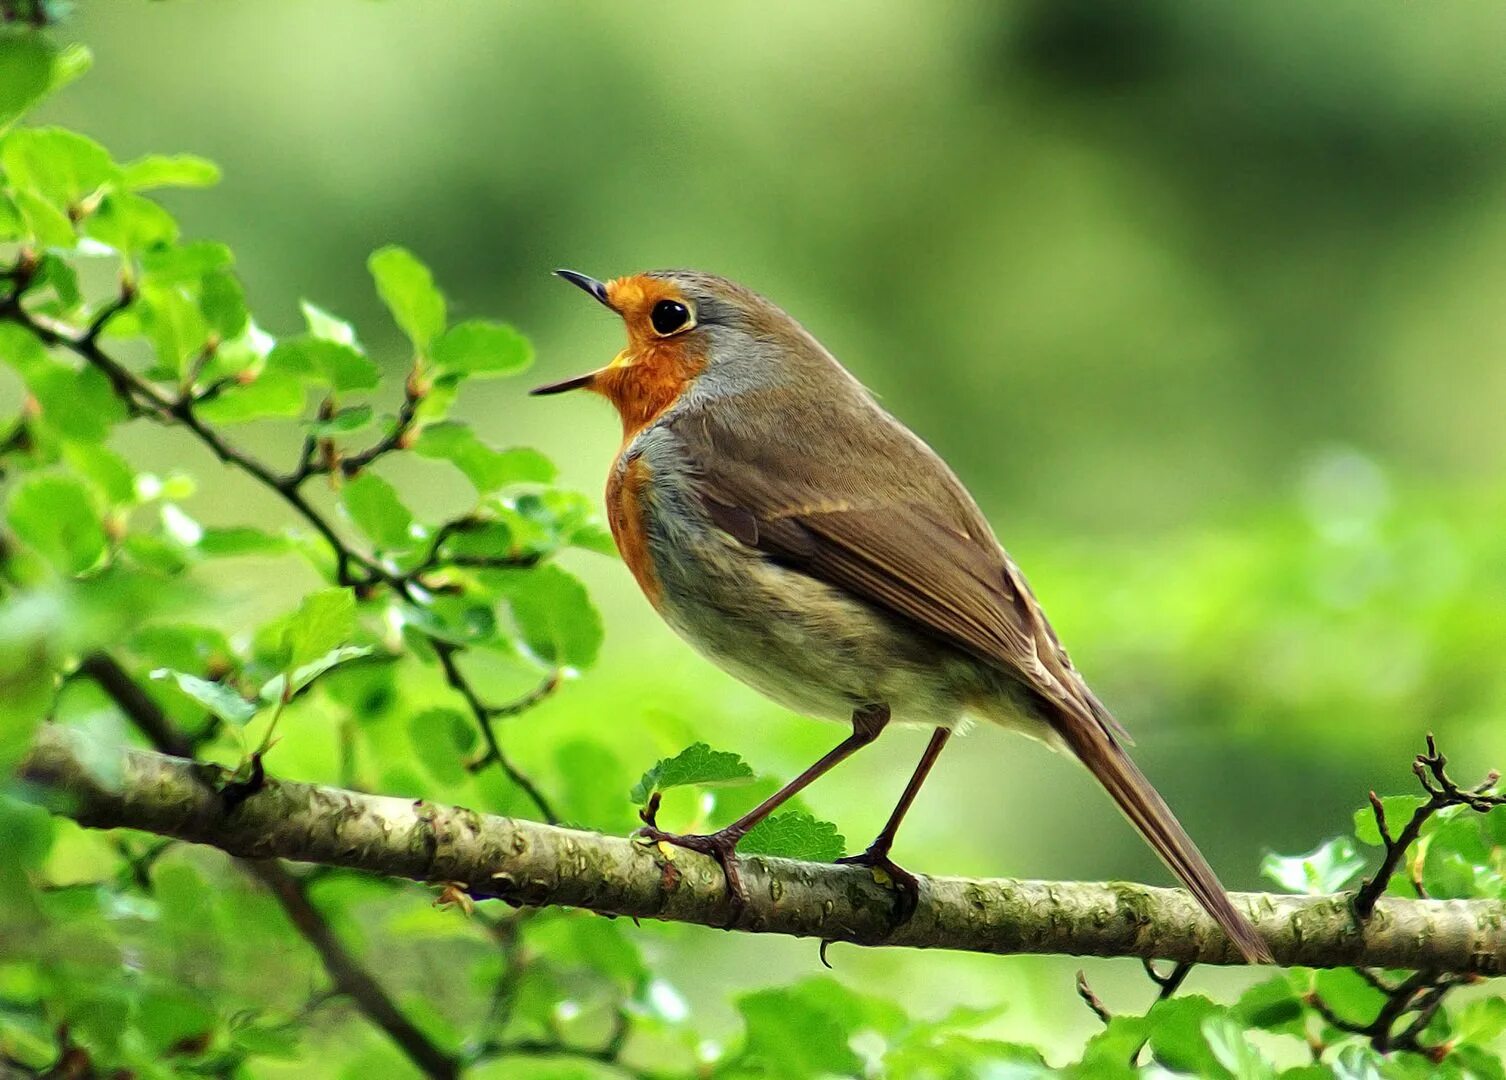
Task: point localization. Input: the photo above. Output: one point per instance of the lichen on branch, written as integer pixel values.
(535, 864)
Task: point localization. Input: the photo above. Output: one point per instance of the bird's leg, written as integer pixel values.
(721, 845)
(877, 855)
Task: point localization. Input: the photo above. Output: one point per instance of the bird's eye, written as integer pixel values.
(669, 317)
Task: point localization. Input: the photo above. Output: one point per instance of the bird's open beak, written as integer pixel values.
(597, 290)
(587, 284)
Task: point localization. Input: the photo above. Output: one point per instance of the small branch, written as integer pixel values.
(347, 974)
(528, 863)
(1092, 1000)
(484, 715)
(1430, 769)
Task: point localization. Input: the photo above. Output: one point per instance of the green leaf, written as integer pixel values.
(103, 468)
(324, 620)
(270, 394)
(795, 835)
(1326, 869)
(185, 263)
(407, 288)
(1271, 1006)
(273, 688)
(344, 422)
(487, 469)
(442, 739)
(44, 222)
(1398, 810)
(77, 404)
(130, 223)
(216, 697)
(789, 1036)
(236, 540)
(477, 347)
(373, 505)
(1347, 994)
(61, 166)
(26, 72)
(329, 327)
(55, 516)
(455, 619)
(696, 764)
(164, 170)
(1233, 1051)
(1481, 1021)
(1176, 1035)
(553, 614)
(321, 360)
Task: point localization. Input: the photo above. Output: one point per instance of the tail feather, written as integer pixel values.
(1150, 815)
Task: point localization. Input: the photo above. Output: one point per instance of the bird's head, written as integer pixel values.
(683, 325)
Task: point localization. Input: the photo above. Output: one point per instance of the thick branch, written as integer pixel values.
(530, 863)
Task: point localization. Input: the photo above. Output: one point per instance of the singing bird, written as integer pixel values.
(811, 545)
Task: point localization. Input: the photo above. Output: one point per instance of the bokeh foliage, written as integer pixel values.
(1353, 605)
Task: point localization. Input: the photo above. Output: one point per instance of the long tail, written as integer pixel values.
(1148, 812)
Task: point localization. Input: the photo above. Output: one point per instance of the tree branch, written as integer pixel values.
(344, 970)
(529, 863)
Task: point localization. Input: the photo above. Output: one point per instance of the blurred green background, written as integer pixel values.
(1202, 301)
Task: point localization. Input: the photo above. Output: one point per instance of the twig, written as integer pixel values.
(1442, 792)
(1092, 1000)
(483, 714)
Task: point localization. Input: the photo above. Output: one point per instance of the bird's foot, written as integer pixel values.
(888, 872)
(721, 846)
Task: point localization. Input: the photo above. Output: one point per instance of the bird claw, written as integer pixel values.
(906, 885)
(721, 846)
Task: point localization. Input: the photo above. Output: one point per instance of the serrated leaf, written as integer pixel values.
(696, 764)
(1326, 869)
(795, 835)
(324, 620)
(407, 288)
(791, 1037)
(553, 614)
(1398, 810)
(481, 348)
(1176, 1034)
(272, 689)
(169, 170)
(487, 469)
(55, 516)
(373, 505)
(216, 697)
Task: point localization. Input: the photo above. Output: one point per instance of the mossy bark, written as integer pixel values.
(529, 863)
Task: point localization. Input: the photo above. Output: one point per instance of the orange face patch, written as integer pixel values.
(625, 510)
(651, 373)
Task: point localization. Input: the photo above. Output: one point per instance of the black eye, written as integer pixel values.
(669, 316)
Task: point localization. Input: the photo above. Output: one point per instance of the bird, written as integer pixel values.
(808, 543)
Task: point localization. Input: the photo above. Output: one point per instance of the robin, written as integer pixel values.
(814, 547)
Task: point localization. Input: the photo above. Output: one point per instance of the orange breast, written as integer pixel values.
(625, 511)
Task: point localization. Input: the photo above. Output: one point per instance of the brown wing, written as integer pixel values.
(880, 516)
